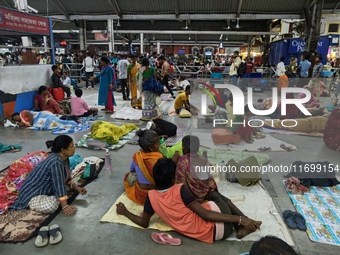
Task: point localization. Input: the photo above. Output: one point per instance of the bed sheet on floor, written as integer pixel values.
(320, 207)
(127, 113)
(268, 141)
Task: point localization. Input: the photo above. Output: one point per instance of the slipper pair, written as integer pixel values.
(294, 220)
(164, 238)
(286, 148)
(47, 235)
(265, 149)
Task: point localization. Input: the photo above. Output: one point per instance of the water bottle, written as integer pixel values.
(107, 165)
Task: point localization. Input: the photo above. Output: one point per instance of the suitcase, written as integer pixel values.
(224, 136)
(58, 94)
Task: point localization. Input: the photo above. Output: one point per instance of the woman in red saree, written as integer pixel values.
(44, 101)
(139, 180)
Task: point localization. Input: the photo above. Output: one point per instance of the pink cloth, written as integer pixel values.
(219, 226)
(79, 106)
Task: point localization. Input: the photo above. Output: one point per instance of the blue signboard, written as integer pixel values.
(297, 45)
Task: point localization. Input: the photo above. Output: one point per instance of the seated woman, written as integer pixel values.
(175, 204)
(192, 171)
(241, 127)
(45, 186)
(23, 119)
(44, 101)
(142, 164)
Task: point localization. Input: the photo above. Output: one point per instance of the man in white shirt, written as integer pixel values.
(122, 76)
(281, 68)
(234, 66)
(88, 65)
(65, 80)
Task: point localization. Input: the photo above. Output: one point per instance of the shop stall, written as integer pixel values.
(19, 83)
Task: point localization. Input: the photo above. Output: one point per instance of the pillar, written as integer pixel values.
(110, 34)
(158, 47)
(45, 44)
(82, 32)
(313, 31)
(141, 43)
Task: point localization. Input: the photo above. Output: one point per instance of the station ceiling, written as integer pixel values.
(232, 22)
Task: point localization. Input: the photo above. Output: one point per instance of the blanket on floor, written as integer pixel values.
(320, 207)
(20, 226)
(182, 129)
(245, 198)
(48, 121)
(269, 141)
(270, 130)
(10, 147)
(127, 113)
(91, 118)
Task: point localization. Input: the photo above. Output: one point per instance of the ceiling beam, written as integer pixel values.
(7, 4)
(177, 32)
(240, 3)
(336, 7)
(182, 17)
(115, 7)
(61, 7)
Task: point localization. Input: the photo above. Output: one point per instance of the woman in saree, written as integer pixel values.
(132, 70)
(23, 119)
(146, 74)
(44, 101)
(142, 165)
(192, 170)
(106, 87)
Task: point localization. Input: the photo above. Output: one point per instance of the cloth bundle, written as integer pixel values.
(294, 186)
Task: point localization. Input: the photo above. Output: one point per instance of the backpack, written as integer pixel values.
(241, 69)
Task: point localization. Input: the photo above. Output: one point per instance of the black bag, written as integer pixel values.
(241, 69)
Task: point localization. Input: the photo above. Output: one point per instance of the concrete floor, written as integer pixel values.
(84, 234)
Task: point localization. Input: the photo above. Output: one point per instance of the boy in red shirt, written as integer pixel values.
(179, 209)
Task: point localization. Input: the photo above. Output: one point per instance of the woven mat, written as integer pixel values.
(182, 129)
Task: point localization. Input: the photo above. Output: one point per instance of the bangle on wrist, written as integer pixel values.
(239, 222)
(64, 207)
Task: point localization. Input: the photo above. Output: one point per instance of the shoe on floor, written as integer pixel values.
(300, 221)
(42, 238)
(289, 218)
(55, 234)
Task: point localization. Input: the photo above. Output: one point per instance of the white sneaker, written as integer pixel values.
(9, 124)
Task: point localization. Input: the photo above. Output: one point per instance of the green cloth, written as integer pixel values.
(249, 178)
(4, 148)
(168, 152)
(238, 119)
(110, 133)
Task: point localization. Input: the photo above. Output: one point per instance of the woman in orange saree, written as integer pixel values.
(132, 70)
(139, 180)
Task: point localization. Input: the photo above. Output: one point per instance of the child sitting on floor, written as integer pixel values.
(175, 204)
(182, 102)
(79, 106)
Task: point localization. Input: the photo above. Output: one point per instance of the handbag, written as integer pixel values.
(90, 171)
(153, 85)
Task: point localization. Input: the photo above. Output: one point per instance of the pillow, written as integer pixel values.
(185, 114)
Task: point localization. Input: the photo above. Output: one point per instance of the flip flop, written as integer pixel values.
(163, 238)
(55, 234)
(300, 221)
(289, 218)
(42, 238)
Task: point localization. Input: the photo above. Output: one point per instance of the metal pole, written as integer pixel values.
(81, 35)
(110, 34)
(52, 53)
(141, 43)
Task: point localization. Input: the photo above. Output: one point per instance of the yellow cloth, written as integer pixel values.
(180, 99)
(110, 133)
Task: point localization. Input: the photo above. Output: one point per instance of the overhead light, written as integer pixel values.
(153, 38)
(186, 25)
(228, 27)
(31, 9)
(226, 38)
(238, 23)
(118, 23)
(189, 38)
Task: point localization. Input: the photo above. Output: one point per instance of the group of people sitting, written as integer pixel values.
(187, 200)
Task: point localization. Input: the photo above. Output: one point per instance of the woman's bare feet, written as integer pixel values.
(242, 231)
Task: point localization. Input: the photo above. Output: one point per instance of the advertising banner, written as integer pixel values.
(16, 21)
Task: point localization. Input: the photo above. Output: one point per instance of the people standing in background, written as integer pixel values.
(236, 62)
(122, 76)
(304, 67)
(88, 65)
(281, 72)
(249, 69)
(65, 60)
(292, 69)
(114, 59)
(166, 74)
(315, 82)
(132, 71)
(152, 60)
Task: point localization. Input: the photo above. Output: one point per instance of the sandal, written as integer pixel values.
(265, 149)
(42, 238)
(163, 238)
(55, 234)
(285, 147)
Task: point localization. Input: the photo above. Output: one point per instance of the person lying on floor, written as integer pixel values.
(45, 186)
(175, 204)
(241, 127)
(79, 106)
(23, 119)
(162, 127)
(182, 102)
(138, 184)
